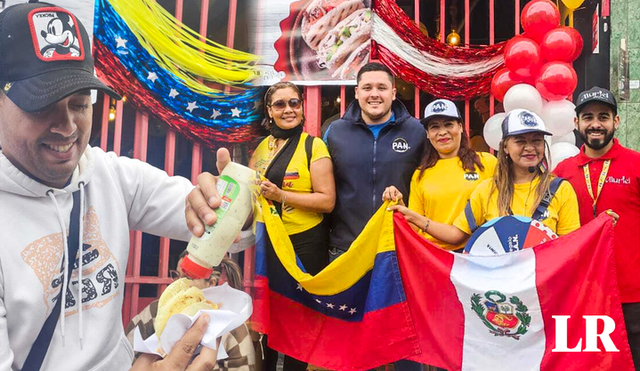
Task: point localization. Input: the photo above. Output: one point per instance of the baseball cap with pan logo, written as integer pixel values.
(521, 121)
(45, 56)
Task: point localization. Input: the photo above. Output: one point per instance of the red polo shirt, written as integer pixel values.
(620, 193)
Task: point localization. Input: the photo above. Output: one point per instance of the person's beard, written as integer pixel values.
(597, 144)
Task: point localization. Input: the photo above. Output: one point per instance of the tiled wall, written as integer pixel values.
(625, 23)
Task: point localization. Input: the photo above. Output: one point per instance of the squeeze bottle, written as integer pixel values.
(206, 252)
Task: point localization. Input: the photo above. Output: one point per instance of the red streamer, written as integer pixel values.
(449, 87)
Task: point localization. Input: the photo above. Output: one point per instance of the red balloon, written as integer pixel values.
(538, 17)
(503, 80)
(577, 38)
(523, 56)
(556, 80)
(558, 44)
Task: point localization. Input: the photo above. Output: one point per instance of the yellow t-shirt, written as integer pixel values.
(444, 189)
(563, 216)
(297, 179)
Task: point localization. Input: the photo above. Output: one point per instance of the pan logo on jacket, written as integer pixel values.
(100, 278)
(55, 35)
(400, 145)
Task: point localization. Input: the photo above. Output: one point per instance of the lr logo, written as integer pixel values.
(591, 335)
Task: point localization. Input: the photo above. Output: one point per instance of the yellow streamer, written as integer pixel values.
(180, 50)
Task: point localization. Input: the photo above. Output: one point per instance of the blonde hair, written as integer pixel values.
(504, 178)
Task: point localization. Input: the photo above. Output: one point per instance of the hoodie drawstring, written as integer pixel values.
(66, 275)
(80, 253)
(66, 260)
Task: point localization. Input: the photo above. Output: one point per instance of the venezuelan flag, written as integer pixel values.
(351, 316)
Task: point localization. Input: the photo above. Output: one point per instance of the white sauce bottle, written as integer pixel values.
(206, 252)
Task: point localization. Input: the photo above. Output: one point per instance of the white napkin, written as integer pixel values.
(235, 309)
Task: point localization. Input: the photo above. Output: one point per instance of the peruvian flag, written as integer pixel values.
(535, 309)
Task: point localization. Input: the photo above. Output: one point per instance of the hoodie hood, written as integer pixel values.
(353, 114)
(13, 180)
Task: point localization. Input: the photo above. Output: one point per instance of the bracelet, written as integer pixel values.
(426, 225)
(283, 198)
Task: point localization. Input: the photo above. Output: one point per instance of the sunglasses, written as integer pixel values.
(294, 103)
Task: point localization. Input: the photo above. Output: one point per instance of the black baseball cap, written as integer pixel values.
(596, 94)
(45, 56)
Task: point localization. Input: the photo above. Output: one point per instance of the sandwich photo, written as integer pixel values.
(322, 16)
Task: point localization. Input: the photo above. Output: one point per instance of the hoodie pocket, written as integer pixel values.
(118, 359)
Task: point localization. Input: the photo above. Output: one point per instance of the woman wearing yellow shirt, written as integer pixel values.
(299, 181)
(518, 186)
(449, 171)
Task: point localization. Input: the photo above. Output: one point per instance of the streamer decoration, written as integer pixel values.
(435, 67)
(210, 118)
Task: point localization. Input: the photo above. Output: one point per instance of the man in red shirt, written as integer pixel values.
(606, 175)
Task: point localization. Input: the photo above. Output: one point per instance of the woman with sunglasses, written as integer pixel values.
(300, 183)
(238, 342)
(449, 171)
(519, 185)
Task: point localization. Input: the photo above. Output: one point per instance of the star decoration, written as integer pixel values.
(235, 112)
(343, 307)
(120, 42)
(173, 93)
(191, 106)
(298, 287)
(318, 301)
(152, 76)
(214, 116)
(352, 311)
(330, 306)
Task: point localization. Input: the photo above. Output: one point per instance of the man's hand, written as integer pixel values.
(204, 197)
(181, 353)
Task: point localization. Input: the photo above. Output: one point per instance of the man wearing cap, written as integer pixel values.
(67, 208)
(375, 144)
(606, 175)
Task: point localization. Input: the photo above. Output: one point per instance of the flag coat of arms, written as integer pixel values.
(395, 296)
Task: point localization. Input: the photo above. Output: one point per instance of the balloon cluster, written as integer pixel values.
(538, 74)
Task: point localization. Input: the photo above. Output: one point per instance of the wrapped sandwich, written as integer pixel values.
(321, 16)
(347, 44)
(180, 297)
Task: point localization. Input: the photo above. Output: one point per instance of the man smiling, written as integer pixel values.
(376, 144)
(606, 175)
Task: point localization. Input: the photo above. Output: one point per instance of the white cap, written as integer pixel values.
(441, 107)
(521, 121)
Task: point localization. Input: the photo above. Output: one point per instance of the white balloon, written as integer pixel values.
(567, 138)
(492, 130)
(562, 151)
(523, 96)
(558, 116)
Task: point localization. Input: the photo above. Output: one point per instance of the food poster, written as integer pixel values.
(311, 42)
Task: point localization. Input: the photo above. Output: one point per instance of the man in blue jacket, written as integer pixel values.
(377, 143)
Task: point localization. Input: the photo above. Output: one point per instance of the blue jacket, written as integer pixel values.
(364, 167)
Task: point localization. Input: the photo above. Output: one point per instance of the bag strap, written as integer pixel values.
(41, 345)
(308, 147)
(471, 220)
(276, 170)
(546, 200)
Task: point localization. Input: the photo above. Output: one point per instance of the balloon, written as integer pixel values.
(572, 4)
(559, 44)
(558, 116)
(577, 38)
(492, 131)
(562, 151)
(538, 17)
(502, 81)
(523, 96)
(522, 56)
(568, 138)
(556, 80)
